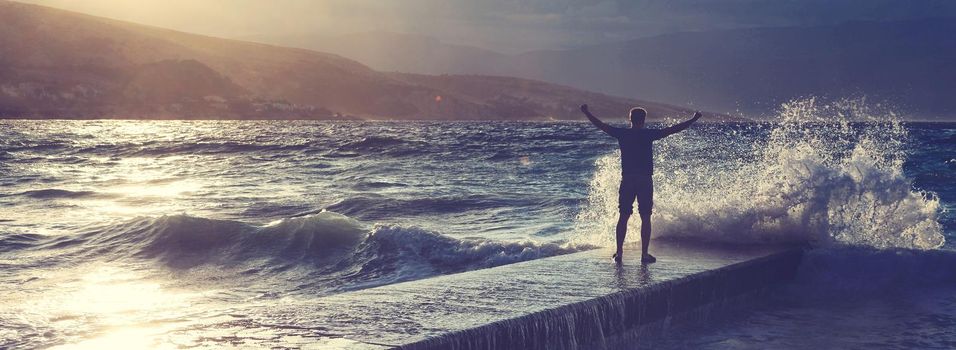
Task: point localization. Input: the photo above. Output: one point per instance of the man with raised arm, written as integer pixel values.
(637, 170)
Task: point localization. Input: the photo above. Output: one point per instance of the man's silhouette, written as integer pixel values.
(637, 169)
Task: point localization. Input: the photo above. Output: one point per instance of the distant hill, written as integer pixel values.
(910, 64)
(525, 97)
(398, 52)
(60, 64)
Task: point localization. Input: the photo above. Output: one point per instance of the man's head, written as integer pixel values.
(637, 117)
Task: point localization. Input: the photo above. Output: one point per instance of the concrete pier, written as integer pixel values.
(575, 301)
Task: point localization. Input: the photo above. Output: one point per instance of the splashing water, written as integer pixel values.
(826, 174)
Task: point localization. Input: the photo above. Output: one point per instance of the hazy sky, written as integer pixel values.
(505, 25)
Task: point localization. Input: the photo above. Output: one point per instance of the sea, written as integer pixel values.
(144, 233)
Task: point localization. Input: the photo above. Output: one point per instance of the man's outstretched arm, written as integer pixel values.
(682, 126)
(594, 120)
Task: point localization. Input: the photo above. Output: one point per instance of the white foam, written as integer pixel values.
(817, 176)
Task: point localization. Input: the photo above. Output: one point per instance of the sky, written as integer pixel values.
(502, 25)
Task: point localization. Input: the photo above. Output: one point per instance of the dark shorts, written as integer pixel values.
(641, 188)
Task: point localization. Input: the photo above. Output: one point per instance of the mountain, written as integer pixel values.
(908, 64)
(525, 97)
(397, 52)
(60, 64)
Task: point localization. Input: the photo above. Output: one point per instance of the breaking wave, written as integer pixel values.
(330, 245)
(830, 175)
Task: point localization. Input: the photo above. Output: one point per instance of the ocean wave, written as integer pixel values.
(450, 254)
(556, 135)
(382, 145)
(152, 148)
(816, 178)
(39, 147)
(55, 193)
(373, 206)
(14, 241)
(502, 155)
(210, 148)
(363, 185)
(372, 143)
(331, 244)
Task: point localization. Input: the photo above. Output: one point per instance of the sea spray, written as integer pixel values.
(825, 174)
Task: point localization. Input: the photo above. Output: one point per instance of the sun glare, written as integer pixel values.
(130, 311)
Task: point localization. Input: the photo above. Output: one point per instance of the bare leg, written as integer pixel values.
(646, 238)
(621, 233)
(645, 232)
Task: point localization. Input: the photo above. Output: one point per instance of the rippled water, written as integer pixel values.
(121, 230)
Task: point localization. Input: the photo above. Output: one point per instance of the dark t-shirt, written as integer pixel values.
(637, 156)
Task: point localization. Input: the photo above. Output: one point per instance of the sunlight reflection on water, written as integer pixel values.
(109, 307)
